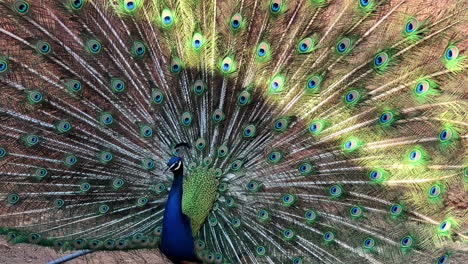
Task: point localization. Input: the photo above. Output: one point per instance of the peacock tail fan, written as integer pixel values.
(321, 131)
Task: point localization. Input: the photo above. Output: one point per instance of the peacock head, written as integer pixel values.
(175, 164)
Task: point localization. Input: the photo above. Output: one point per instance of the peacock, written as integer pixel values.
(241, 131)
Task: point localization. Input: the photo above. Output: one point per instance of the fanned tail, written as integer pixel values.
(322, 131)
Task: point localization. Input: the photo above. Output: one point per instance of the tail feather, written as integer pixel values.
(327, 131)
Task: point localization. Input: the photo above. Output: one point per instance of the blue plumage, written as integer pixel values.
(177, 240)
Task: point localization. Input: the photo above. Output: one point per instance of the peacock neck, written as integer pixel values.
(177, 183)
(177, 239)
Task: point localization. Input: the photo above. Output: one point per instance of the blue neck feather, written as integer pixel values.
(177, 240)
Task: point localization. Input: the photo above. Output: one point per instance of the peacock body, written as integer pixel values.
(244, 131)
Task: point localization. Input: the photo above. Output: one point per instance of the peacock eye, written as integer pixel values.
(281, 125)
(138, 49)
(186, 119)
(443, 259)
(355, 212)
(3, 152)
(275, 6)
(369, 243)
(45, 48)
(451, 52)
(148, 163)
(422, 88)
(93, 46)
(77, 3)
(288, 199)
(381, 60)
(378, 60)
(3, 65)
(310, 216)
(313, 83)
(73, 86)
(446, 134)
(41, 172)
(244, 98)
(415, 155)
(103, 209)
(343, 46)
(406, 241)
(117, 183)
(197, 40)
(275, 157)
(167, 17)
(364, 2)
(84, 187)
(297, 260)
(198, 87)
(227, 65)
(236, 21)
(277, 84)
(328, 236)
(444, 226)
(36, 96)
(176, 65)
(106, 119)
(263, 215)
(386, 117)
(21, 7)
(142, 201)
(261, 250)
(409, 27)
(117, 85)
(352, 97)
(249, 131)
(288, 234)
(218, 116)
(263, 50)
(396, 209)
(130, 5)
(12, 198)
(146, 131)
(222, 151)
(236, 165)
(335, 191)
(306, 45)
(157, 96)
(434, 191)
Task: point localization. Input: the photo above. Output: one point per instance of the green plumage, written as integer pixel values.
(198, 197)
(320, 131)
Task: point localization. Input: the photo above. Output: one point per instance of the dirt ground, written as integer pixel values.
(25, 253)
